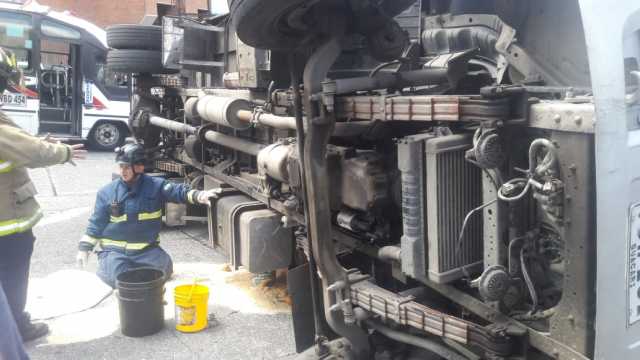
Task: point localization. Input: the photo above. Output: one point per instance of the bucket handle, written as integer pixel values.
(193, 285)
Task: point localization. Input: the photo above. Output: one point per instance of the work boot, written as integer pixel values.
(32, 330)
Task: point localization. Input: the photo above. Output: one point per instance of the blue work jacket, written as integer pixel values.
(137, 224)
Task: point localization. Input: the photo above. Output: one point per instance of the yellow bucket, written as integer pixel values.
(191, 307)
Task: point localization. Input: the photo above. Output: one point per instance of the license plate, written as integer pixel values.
(13, 99)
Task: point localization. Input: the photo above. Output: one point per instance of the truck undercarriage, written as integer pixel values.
(426, 171)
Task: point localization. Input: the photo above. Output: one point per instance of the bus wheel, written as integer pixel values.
(106, 136)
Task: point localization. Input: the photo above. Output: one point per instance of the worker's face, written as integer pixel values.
(128, 174)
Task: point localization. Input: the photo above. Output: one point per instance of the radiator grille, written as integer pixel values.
(454, 187)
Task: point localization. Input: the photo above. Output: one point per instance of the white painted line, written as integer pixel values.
(63, 216)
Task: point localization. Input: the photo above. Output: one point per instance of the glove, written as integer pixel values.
(204, 197)
(82, 258)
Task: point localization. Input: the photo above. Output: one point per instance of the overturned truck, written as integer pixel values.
(431, 173)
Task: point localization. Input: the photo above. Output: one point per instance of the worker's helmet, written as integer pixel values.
(9, 71)
(130, 154)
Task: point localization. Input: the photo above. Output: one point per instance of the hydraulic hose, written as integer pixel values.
(319, 129)
(550, 158)
(316, 302)
(421, 342)
(549, 161)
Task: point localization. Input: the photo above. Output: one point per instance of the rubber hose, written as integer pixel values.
(421, 342)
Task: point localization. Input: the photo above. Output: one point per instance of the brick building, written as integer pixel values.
(107, 12)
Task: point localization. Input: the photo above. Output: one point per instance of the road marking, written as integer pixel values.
(63, 216)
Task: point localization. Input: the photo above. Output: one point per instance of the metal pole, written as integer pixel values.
(231, 142)
(172, 125)
(234, 143)
(278, 122)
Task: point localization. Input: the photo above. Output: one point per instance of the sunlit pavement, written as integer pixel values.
(252, 323)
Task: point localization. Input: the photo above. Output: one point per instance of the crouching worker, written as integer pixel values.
(127, 218)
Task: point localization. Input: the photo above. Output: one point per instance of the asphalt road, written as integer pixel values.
(252, 323)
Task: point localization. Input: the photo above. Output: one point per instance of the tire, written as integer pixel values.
(107, 136)
(134, 37)
(137, 61)
(260, 24)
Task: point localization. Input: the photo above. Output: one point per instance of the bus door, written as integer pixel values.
(60, 79)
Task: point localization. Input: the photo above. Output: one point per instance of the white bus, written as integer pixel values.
(68, 91)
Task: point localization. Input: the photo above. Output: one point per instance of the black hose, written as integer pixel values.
(313, 270)
(382, 66)
(421, 342)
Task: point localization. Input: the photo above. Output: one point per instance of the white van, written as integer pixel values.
(68, 91)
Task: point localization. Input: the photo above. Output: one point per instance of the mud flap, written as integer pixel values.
(299, 288)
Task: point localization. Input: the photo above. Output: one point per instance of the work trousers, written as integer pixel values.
(15, 259)
(11, 347)
(112, 263)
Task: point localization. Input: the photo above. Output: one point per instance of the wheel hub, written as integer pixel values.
(106, 134)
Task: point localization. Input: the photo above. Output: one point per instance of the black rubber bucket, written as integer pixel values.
(140, 297)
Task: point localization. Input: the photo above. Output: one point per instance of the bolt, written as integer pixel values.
(568, 198)
(555, 353)
(578, 120)
(557, 118)
(573, 168)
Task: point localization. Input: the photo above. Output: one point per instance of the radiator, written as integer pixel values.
(453, 189)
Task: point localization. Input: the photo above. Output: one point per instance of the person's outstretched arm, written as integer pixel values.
(21, 149)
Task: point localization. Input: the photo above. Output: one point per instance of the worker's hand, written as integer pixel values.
(50, 139)
(204, 197)
(77, 152)
(82, 259)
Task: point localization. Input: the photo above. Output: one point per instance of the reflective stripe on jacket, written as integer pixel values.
(19, 150)
(140, 221)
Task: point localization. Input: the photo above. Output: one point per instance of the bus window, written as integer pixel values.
(110, 79)
(53, 29)
(16, 34)
(113, 85)
(53, 53)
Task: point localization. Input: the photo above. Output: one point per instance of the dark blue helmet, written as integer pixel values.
(130, 154)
